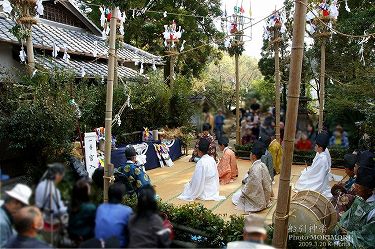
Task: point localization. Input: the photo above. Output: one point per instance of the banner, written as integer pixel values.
(92, 161)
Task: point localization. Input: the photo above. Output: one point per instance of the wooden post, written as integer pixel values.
(277, 85)
(238, 133)
(322, 83)
(281, 216)
(109, 102)
(171, 69)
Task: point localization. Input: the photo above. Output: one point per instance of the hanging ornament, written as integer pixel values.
(22, 55)
(102, 16)
(66, 56)
(182, 46)
(133, 15)
(331, 81)
(178, 33)
(128, 102)
(107, 30)
(34, 72)
(173, 44)
(55, 50)
(153, 66)
(108, 15)
(136, 62)
(347, 6)
(227, 43)
(141, 70)
(311, 28)
(83, 73)
(95, 49)
(122, 21)
(7, 7)
(362, 48)
(325, 8)
(165, 43)
(165, 14)
(102, 79)
(39, 7)
(333, 10)
(311, 15)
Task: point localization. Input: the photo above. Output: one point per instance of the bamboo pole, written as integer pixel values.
(238, 139)
(29, 46)
(281, 216)
(277, 86)
(171, 69)
(322, 83)
(109, 101)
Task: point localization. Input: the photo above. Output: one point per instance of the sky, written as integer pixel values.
(260, 9)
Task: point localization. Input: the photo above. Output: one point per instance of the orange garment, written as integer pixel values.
(227, 167)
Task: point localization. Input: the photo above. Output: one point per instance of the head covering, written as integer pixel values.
(21, 193)
(203, 145)
(367, 159)
(130, 152)
(206, 127)
(254, 224)
(223, 141)
(350, 160)
(265, 139)
(322, 139)
(258, 149)
(366, 177)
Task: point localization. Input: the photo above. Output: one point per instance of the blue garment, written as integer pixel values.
(6, 228)
(134, 175)
(112, 220)
(349, 183)
(219, 120)
(20, 241)
(344, 141)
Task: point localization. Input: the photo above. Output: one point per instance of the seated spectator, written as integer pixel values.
(254, 233)
(255, 196)
(303, 144)
(248, 138)
(130, 174)
(81, 225)
(112, 218)
(204, 184)
(146, 226)
(358, 223)
(28, 222)
(15, 199)
(205, 135)
(339, 138)
(227, 166)
(343, 195)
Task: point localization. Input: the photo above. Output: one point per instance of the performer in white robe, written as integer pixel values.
(316, 177)
(204, 184)
(256, 194)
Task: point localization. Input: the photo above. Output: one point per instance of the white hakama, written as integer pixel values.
(204, 184)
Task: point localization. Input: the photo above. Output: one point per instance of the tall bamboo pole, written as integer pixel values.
(322, 83)
(277, 85)
(238, 134)
(109, 101)
(171, 69)
(29, 45)
(281, 215)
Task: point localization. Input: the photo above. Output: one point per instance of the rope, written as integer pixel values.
(286, 216)
(111, 178)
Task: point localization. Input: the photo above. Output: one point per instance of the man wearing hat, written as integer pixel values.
(227, 166)
(16, 198)
(254, 234)
(359, 221)
(204, 184)
(343, 195)
(316, 176)
(255, 196)
(136, 178)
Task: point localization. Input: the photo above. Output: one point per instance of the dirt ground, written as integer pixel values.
(169, 184)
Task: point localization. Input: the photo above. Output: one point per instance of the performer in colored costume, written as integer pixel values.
(212, 149)
(359, 221)
(134, 176)
(343, 195)
(277, 154)
(204, 184)
(227, 166)
(316, 177)
(255, 196)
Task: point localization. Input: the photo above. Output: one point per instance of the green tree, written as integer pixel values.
(145, 29)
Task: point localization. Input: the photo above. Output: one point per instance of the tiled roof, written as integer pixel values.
(78, 42)
(91, 68)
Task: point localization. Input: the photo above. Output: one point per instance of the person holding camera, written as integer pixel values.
(48, 199)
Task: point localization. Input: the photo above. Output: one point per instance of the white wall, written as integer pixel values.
(7, 62)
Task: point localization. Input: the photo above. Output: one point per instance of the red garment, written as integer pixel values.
(304, 145)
